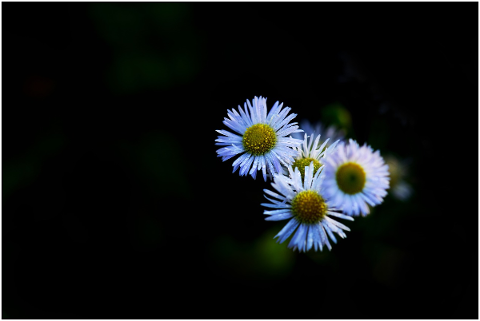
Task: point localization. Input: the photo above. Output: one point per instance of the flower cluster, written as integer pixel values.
(317, 179)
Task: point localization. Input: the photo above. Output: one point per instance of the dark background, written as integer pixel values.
(116, 206)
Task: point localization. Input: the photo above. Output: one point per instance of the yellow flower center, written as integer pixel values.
(351, 178)
(259, 139)
(302, 162)
(309, 207)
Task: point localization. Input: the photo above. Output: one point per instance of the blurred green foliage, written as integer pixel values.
(154, 45)
(336, 114)
(17, 173)
(22, 170)
(157, 158)
(148, 232)
(379, 134)
(264, 258)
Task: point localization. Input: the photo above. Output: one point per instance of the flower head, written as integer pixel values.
(397, 168)
(302, 201)
(355, 176)
(312, 152)
(260, 138)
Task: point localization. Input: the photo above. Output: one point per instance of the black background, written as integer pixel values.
(116, 206)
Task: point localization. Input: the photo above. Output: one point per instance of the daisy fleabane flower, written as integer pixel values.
(400, 189)
(310, 213)
(263, 140)
(312, 151)
(354, 177)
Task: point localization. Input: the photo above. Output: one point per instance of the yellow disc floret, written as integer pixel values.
(302, 162)
(309, 207)
(259, 139)
(351, 178)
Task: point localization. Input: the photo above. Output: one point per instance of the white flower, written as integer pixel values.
(310, 213)
(312, 152)
(261, 139)
(354, 177)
